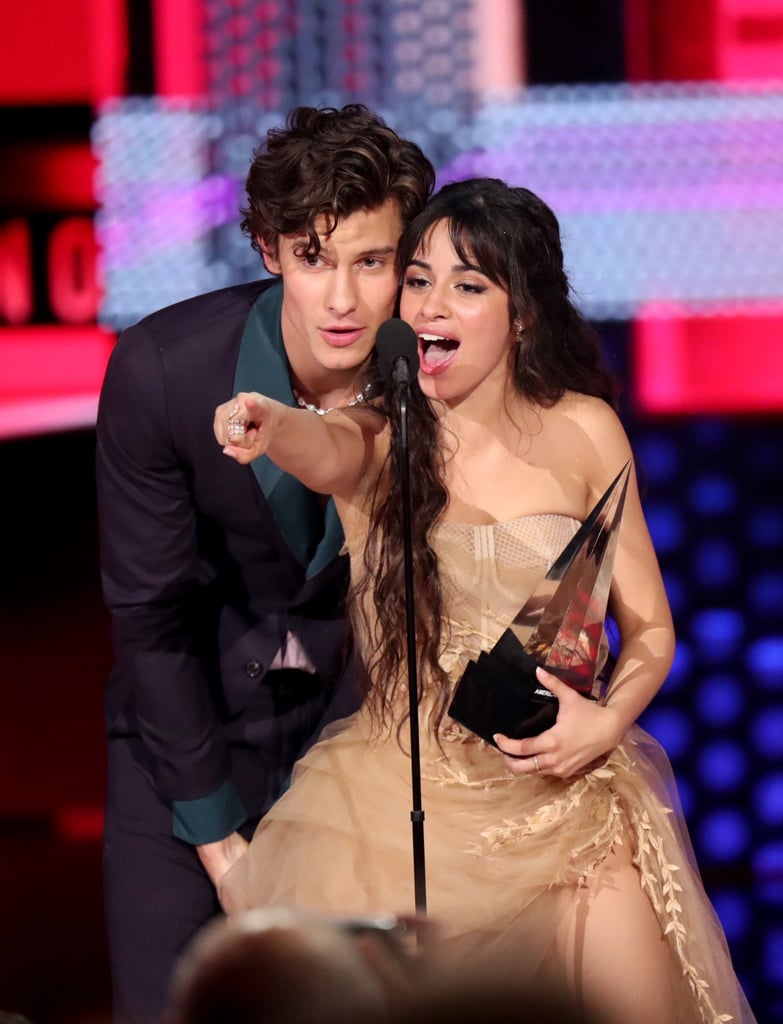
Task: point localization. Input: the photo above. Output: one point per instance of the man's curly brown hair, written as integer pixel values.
(329, 162)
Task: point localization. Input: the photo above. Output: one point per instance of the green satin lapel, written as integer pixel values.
(313, 534)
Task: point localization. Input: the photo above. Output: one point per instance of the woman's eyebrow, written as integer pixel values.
(458, 268)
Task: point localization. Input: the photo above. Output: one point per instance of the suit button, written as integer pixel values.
(254, 668)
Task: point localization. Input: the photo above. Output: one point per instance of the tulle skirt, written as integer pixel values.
(505, 854)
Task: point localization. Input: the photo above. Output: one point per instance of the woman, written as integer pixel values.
(570, 842)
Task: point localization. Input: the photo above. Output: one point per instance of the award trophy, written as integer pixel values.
(499, 691)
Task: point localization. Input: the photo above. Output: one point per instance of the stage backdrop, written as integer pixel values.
(655, 130)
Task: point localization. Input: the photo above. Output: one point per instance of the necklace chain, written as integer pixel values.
(362, 396)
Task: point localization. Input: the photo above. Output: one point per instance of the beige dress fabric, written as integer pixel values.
(503, 852)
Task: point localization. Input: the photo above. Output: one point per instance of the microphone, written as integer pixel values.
(398, 351)
(398, 359)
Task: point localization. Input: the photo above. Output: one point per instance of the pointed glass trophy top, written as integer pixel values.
(567, 610)
(560, 627)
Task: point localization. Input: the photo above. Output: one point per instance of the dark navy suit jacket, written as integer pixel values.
(199, 578)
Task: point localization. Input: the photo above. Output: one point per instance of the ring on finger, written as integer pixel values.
(235, 427)
(535, 762)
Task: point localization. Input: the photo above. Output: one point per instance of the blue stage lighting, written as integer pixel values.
(773, 955)
(686, 795)
(671, 728)
(765, 662)
(658, 460)
(720, 700)
(733, 909)
(713, 495)
(765, 593)
(718, 633)
(768, 800)
(767, 732)
(722, 765)
(667, 526)
(765, 527)
(724, 834)
(715, 562)
(679, 673)
(768, 869)
(677, 591)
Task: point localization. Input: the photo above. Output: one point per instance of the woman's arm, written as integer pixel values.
(639, 605)
(584, 730)
(329, 454)
(638, 601)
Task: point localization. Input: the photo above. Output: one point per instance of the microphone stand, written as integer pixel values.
(400, 376)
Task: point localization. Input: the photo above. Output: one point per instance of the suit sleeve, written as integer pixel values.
(149, 567)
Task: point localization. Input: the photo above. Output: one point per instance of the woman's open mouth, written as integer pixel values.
(436, 353)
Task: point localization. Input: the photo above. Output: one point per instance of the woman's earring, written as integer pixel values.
(519, 330)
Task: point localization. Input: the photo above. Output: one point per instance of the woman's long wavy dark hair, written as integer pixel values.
(514, 238)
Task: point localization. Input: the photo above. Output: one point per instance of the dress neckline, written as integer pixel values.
(507, 522)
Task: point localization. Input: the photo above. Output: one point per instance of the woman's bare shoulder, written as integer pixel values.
(586, 410)
(587, 440)
(588, 418)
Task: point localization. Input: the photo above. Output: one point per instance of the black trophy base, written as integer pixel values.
(499, 693)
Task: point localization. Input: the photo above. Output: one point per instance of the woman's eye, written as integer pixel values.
(415, 282)
(472, 289)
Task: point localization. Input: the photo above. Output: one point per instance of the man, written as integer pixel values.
(224, 582)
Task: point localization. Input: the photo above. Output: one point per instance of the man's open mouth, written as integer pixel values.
(340, 336)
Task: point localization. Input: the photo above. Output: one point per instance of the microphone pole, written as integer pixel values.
(397, 355)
